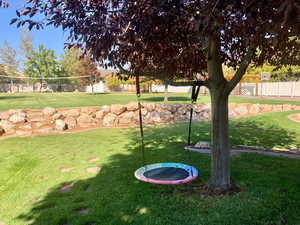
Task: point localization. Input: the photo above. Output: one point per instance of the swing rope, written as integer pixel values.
(195, 93)
(138, 94)
(194, 97)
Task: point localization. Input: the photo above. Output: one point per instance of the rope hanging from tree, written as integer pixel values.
(164, 173)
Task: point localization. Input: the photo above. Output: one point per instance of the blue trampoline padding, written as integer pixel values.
(167, 173)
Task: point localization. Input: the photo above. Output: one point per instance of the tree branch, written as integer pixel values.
(162, 76)
(241, 70)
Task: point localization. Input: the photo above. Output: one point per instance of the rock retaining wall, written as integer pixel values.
(50, 120)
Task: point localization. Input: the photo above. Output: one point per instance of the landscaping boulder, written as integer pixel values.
(105, 108)
(5, 115)
(265, 108)
(241, 109)
(132, 106)
(154, 117)
(109, 119)
(150, 106)
(165, 107)
(26, 127)
(127, 118)
(86, 120)
(183, 109)
(287, 107)
(100, 114)
(47, 129)
(57, 116)
(49, 111)
(38, 124)
(60, 125)
(7, 126)
(23, 133)
(277, 108)
(35, 116)
(2, 131)
(90, 110)
(19, 117)
(117, 109)
(165, 116)
(254, 109)
(72, 112)
(71, 122)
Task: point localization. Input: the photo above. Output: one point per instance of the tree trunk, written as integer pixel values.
(150, 88)
(92, 84)
(41, 85)
(220, 157)
(166, 93)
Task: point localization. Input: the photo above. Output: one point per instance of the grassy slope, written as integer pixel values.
(29, 170)
(40, 100)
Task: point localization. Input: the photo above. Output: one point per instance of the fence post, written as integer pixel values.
(278, 89)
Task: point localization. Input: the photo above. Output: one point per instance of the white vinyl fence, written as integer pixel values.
(291, 89)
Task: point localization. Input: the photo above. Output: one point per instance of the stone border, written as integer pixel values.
(30, 122)
(285, 153)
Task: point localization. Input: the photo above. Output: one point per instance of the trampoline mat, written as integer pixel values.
(167, 173)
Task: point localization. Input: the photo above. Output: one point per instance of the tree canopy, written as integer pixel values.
(42, 64)
(156, 33)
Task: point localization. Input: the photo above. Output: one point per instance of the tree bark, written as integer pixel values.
(217, 84)
(166, 93)
(41, 85)
(220, 157)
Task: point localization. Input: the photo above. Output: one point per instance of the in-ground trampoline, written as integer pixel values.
(166, 173)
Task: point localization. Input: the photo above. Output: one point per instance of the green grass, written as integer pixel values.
(59, 100)
(30, 170)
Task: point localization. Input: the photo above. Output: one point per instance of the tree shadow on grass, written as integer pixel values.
(170, 99)
(115, 197)
(104, 93)
(13, 97)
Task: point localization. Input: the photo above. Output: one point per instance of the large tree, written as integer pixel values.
(181, 38)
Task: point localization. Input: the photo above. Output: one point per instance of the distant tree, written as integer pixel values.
(42, 64)
(88, 67)
(113, 81)
(283, 73)
(75, 64)
(70, 61)
(8, 58)
(26, 46)
(3, 72)
(2, 69)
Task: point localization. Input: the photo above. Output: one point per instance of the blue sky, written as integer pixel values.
(50, 37)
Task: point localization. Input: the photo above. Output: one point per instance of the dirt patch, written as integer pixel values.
(295, 117)
(93, 169)
(204, 190)
(83, 211)
(65, 170)
(94, 159)
(66, 187)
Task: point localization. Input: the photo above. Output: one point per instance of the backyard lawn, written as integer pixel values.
(43, 179)
(58, 100)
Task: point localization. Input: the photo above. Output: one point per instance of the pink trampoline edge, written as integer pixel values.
(188, 179)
